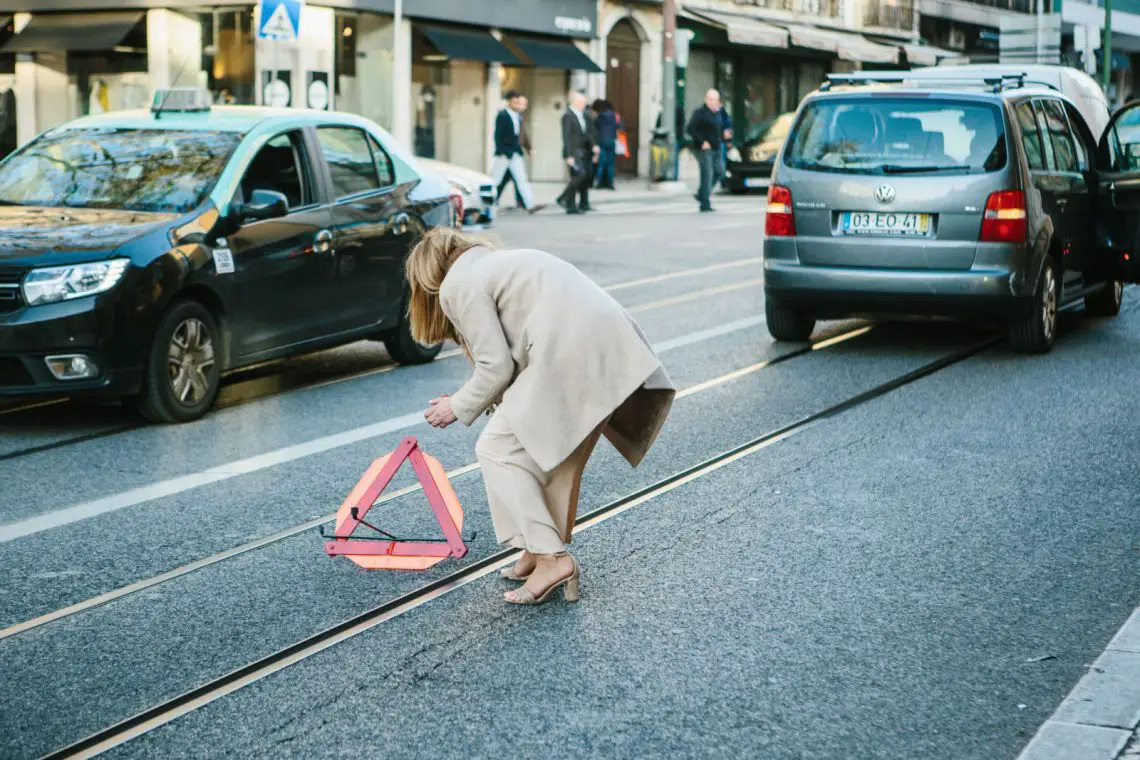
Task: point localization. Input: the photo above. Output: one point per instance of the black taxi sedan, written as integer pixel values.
(145, 254)
(749, 166)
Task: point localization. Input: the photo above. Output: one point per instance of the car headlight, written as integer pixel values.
(53, 284)
(733, 155)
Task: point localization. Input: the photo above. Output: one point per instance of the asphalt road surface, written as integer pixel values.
(902, 541)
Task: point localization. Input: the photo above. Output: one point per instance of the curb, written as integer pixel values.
(1100, 715)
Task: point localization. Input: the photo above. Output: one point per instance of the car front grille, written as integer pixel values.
(13, 373)
(10, 296)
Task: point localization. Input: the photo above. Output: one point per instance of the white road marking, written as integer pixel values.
(144, 494)
(703, 335)
(696, 295)
(683, 273)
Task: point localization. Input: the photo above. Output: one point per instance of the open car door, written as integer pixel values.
(1118, 214)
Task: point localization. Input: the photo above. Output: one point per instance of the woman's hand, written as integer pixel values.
(439, 412)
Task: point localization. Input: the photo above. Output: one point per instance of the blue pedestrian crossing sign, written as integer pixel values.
(280, 20)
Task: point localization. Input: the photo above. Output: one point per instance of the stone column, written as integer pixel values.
(402, 83)
(173, 49)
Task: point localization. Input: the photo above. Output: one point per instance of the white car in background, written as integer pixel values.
(477, 189)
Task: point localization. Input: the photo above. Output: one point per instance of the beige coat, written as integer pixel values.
(557, 352)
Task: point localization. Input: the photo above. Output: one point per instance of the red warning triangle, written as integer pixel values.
(393, 553)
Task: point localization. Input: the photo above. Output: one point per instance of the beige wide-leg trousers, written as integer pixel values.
(531, 509)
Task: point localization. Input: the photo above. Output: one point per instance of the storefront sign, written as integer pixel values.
(276, 92)
(569, 25)
(565, 18)
(318, 94)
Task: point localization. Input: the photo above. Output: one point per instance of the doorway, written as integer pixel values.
(623, 78)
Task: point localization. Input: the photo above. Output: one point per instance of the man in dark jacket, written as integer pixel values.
(705, 131)
(579, 148)
(510, 164)
(608, 123)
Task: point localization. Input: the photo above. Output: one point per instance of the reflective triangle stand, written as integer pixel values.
(386, 551)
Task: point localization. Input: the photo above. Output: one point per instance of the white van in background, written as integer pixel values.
(1075, 84)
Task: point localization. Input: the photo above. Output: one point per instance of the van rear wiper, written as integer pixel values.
(900, 169)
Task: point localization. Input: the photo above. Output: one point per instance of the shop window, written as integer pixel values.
(346, 37)
(228, 56)
(109, 80)
(350, 160)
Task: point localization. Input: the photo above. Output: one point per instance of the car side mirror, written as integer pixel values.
(264, 204)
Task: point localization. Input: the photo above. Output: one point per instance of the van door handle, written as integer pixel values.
(323, 243)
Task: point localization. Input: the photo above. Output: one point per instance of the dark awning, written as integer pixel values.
(469, 46)
(73, 32)
(554, 54)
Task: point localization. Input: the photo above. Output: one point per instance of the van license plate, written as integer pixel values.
(875, 223)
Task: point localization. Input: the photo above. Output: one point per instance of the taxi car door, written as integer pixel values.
(371, 228)
(1118, 212)
(283, 265)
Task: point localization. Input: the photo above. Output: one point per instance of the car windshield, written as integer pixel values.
(131, 169)
(898, 135)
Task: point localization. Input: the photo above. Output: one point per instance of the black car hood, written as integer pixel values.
(44, 235)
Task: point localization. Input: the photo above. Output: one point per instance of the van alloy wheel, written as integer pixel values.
(190, 361)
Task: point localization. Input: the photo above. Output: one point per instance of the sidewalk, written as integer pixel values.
(1100, 719)
(635, 189)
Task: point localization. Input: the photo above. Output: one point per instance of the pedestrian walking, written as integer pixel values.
(509, 164)
(609, 123)
(558, 363)
(725, 121)
(579, 148)
(705, 130)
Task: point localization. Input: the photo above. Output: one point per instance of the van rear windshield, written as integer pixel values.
(898, 135)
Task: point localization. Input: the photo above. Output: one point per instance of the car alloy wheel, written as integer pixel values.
(190, 361)
(1049, 304)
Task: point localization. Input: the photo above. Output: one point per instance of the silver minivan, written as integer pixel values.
(971, 197)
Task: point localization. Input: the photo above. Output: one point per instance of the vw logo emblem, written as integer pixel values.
(884, 193)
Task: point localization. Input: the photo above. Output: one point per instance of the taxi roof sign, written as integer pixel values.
(181, 99)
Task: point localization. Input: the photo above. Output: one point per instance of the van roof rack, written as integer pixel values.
(997, 82)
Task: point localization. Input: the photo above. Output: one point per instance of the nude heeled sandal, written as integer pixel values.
(509, 574)
(571, 590)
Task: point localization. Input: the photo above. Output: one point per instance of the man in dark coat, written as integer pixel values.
(706, 133)
(579, 148)
(510, 164)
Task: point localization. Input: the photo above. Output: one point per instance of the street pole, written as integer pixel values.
(1106, 75)
(1040, 14)
(397, 90)
(669, 83)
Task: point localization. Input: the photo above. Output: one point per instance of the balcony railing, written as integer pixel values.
(1019, 6)
(890, 14)
(817, 8)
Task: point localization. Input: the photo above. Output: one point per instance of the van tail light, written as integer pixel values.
(1005, 219)
(780, 221)
(456, 199)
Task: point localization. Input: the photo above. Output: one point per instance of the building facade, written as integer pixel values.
(436, 79)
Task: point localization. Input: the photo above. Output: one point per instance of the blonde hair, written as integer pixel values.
(427, 265)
